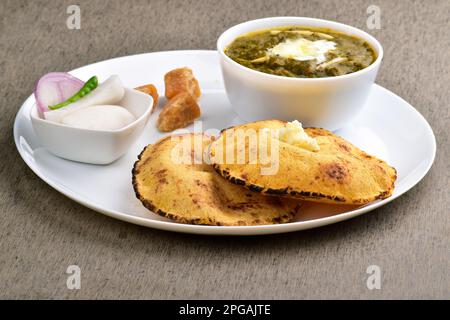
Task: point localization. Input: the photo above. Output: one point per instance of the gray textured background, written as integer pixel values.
(42, 232)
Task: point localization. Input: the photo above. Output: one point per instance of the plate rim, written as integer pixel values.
(214, 230)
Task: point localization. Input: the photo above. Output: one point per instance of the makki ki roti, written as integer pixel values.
(338, 173)
(194, 193)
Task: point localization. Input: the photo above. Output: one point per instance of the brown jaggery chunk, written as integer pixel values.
(152, 91)
(181, 80)
(178, 112)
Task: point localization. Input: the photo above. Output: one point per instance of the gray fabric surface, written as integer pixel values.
(42, 232)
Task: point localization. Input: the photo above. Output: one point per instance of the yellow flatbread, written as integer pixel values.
(177, 183)
(338, 173)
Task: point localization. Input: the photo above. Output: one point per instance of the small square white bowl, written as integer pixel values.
(94, 146)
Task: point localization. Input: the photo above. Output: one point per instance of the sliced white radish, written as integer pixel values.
(109, 92)
(103, 117)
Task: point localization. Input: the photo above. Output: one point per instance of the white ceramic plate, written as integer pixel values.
(388, 127)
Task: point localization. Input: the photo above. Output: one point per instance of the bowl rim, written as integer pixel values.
(34, 115)
(367, 37)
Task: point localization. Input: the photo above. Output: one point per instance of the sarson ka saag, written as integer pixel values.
(301, 52)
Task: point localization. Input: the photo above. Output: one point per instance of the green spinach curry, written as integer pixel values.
(301, 52)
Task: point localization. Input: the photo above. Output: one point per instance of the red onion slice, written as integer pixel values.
(54, 88)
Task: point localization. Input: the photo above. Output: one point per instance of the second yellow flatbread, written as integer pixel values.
(338, 173)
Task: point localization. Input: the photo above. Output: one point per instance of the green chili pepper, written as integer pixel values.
(90, 85)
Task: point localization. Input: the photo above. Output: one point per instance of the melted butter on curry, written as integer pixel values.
(302, 49)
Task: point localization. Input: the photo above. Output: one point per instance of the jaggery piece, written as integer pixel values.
(178, 112)
(150, 90)
(181, 80)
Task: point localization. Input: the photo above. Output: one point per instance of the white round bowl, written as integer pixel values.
(94, 146)
(328, 102)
